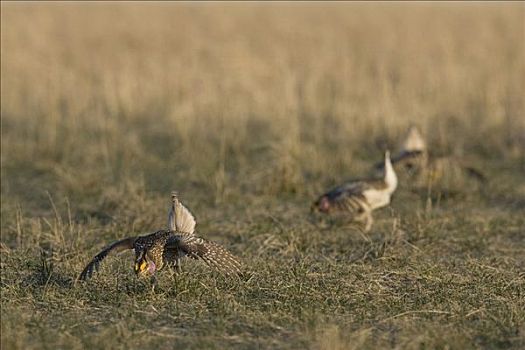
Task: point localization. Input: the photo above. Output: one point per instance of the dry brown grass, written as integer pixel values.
(249, 110)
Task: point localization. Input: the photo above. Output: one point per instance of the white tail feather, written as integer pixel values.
(413, 141)
(180, 218)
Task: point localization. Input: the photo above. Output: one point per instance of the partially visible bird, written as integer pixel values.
(155, 251)
(425, 168)
(357, 199)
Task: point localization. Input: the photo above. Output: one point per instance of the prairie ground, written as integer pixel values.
(250, 111)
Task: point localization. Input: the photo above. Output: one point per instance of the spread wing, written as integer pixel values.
(453, 164)
(180, 218)
(126, 243)
(352, 188)
(475, 173)
(213, 254)
(345, 197)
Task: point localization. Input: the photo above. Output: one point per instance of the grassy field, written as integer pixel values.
(250, 111)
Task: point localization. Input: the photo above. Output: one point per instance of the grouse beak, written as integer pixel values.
(145, 267)
(141, 267)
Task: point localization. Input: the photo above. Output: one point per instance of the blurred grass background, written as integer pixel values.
(250, 111)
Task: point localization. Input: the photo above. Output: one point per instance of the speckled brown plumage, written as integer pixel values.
(155, 251)
(424, 169)
(357, 199)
